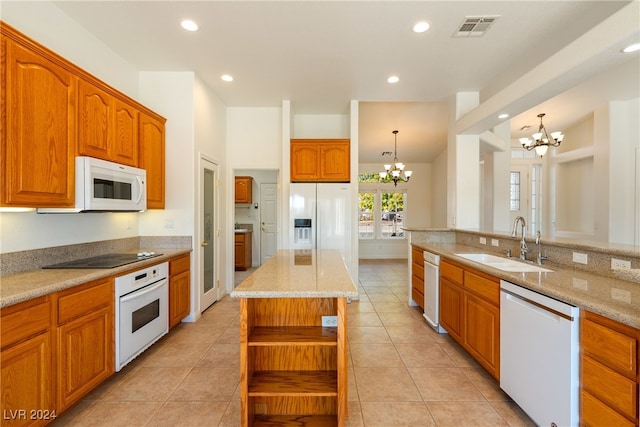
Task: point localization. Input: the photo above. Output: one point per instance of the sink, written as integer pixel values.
(241, 230)
(504, 264)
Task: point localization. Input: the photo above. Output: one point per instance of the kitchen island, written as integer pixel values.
(293, 370)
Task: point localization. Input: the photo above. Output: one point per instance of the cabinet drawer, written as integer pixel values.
(25, 320)
(594, 413)
(610, 387)
(179, 265)
(239, 238)
(451, 272)
(416, 254)
(417, 282)
(418, 270)
(613, 349)
(417, 296)
(483, 287)
(84, 299)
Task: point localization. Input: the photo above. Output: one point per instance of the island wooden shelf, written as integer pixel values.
(293, 370)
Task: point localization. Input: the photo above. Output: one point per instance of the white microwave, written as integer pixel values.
(103, 186)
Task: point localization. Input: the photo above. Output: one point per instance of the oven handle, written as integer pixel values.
(148, 289)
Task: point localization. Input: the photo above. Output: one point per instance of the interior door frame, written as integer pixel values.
(205, 161)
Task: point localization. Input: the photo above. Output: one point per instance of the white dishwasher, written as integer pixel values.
(539, 355)
(431, 291)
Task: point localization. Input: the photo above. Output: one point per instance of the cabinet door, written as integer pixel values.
(305, 161)
(239, 254)
(85, 339)
(152, 158)
(95, 116)
(27, 379)
(125, 138)
(335, 162)
(451, 299)
(38, 148)
(179, 298)
(85, 355)
(482, 332)
(243, 189)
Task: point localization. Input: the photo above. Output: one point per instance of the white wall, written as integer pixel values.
(439, 191)
(46, 24)
(321, 126)
(171, 94)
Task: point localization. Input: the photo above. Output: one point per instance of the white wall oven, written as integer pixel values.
(142, 311)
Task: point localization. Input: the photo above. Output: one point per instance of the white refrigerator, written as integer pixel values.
(320, 217)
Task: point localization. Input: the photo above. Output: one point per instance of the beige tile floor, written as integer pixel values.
(401, 372)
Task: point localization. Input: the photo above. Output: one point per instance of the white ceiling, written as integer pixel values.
(322, 54)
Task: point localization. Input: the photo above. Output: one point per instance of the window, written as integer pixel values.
(381, 213)
(514, 190)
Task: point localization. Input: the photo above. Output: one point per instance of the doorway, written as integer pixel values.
(208, 249)
(261, 216)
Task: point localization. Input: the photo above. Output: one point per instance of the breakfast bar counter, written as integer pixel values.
(293, 340)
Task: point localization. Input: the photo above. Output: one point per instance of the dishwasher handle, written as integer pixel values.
(536, 305)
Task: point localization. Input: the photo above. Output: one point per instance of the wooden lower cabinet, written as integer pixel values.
(610, 372)
(470, 312)
(243, 249)
(417, 276)
(26, 366)
(293, 371)
(451, 300)
(179, 289)
(85, 339)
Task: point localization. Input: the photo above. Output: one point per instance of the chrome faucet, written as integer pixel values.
(523, 245)
(539, 243)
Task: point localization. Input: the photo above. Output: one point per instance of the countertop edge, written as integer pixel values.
(293, 294)
(526, 280)
(82, 276)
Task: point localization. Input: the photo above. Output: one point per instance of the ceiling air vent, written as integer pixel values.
(475, 26)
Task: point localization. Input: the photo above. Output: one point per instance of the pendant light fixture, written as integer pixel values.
(541, 140)
(395, 171)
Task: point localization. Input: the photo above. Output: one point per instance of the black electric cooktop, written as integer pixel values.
(104, 261)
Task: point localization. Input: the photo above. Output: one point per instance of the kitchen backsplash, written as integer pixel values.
(16, 262)
(559, 253)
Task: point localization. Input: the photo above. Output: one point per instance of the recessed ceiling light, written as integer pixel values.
(421, 27)
(189, 25)
(503, 116)
(227, 77)
(631, 48)
(393, 79)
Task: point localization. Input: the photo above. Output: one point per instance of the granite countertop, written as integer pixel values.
(610, 297)
(19, 287)
(308, 273)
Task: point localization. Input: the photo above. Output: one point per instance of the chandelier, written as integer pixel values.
(395, 171)
(541, 141)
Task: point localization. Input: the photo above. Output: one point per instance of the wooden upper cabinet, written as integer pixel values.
(51, 111)
(107, 126)
(243, 189)
(152, 158)
(95, 114)
(320, 160)
(38, 117)
(125, 142)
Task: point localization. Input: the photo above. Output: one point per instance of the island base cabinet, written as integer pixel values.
(292, 369)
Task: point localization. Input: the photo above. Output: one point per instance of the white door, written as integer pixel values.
(209, 234)
(268, 221)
